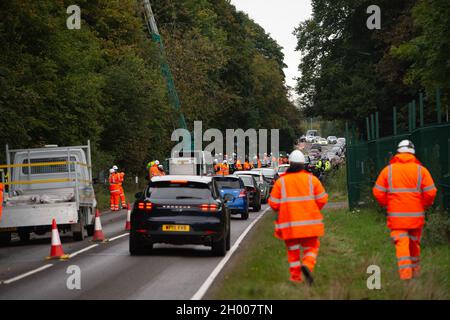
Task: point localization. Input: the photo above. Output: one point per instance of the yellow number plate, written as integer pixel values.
(176, 228)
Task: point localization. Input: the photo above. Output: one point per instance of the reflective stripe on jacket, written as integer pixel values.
(406, 189)
(114, 183)
(298, 198)
(1, 199)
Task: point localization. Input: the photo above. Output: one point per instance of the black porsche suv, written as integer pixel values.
(180, 210)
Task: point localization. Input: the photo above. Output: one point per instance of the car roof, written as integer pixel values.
(199, 179)
(247, 173)
(232, 176)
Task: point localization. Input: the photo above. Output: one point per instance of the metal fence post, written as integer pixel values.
(394, 118)
(409, 117)
(368, 128)
(372, 124)
(421, 109)
(438, 104)
(414, 121)
(377, 126)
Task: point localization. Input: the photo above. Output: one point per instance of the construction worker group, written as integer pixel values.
(229, 166)
(405, 188)
(117, 195)
(155, 169)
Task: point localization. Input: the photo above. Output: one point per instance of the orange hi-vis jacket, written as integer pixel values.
(238, 165)
(114, 183)
(406, 189)
(247, 165)
(154, 171)
(298, 197)
(224, 169)
(1, 199)
(121, 177)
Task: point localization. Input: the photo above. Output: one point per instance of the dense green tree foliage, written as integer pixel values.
(104, 82)
(349, 71)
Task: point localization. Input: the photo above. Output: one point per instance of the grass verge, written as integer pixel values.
(353, 241)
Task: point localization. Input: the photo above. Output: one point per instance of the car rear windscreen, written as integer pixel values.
(248, 181)
(179, 190)
(282, 169)
(228, 183)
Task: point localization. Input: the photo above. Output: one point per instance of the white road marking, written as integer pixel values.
(119, 236)
(208, 282)
(29, 273)
(82, 250)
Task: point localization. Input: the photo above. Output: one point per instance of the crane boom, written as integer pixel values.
(154, 32)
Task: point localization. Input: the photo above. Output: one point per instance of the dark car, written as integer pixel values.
(234, 186)
(317, 147)
(180, 210)
(254, 193)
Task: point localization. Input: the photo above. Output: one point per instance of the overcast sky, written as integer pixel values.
(280, 18)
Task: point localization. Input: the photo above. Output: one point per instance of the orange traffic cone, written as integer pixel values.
(128, 223)
(98, 232)
(56, 250)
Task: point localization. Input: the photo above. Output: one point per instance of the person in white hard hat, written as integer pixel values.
(406, 189)
(114, 190)
(298, 197)
(121, 177)
(154, 171)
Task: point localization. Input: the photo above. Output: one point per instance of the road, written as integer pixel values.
(107, 270)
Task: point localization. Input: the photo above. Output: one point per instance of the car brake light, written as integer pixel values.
(208, 207)
(178, 181)
(243, 194)
(147, 206)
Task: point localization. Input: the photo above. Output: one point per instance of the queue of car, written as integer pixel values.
(193, 209)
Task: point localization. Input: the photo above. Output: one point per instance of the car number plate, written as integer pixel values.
(176, 228)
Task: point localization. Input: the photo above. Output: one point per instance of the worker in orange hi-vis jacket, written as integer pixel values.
(1, 199)
(298, 197)
(406, 189)
(114, 190)
(121, 177)
(162, 172)
(154, 171)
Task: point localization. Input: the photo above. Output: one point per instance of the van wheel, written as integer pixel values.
(90, 230)
(5, 237)
(24, 235)
(78, 236)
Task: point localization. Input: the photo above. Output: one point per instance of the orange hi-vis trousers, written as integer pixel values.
(310, 247)
(407, 247)
(122, 197)
(114, 199)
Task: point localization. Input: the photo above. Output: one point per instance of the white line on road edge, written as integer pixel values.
(29, 273)
(119, 236)
(208, 282)
(82, 250)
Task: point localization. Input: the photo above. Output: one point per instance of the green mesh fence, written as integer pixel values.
(365, 159)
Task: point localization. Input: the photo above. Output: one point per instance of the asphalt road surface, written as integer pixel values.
(107, 270)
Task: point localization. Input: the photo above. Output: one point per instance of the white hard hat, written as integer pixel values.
(406, 146)
(224, 161)
(115, 168)
(296, 156)
(157, 162)
(111, 170)
(160, 166)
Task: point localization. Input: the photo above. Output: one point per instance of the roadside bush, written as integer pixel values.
(437, 228)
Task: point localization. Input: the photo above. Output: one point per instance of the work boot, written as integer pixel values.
(308, 275)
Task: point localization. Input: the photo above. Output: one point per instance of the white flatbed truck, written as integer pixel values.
(42, 184)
